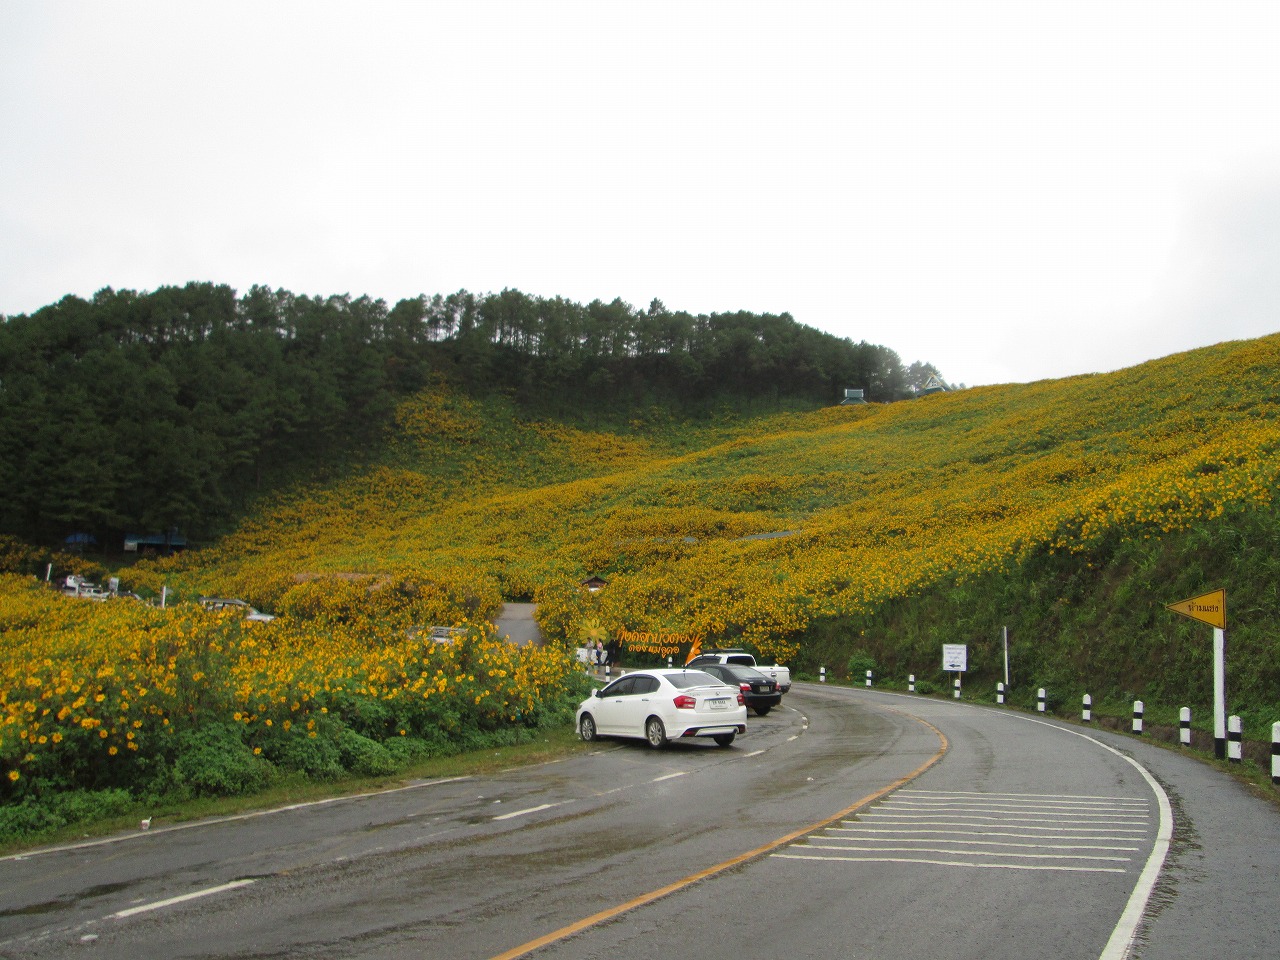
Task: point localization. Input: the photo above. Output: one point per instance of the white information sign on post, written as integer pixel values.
(955, 657)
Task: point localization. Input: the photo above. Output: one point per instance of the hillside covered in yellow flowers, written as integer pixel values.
(1069, 513)
(810, 536)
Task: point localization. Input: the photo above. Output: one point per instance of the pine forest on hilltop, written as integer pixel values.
(1070, 512)
(143, 413)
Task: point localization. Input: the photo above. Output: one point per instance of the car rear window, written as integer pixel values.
(690, 678)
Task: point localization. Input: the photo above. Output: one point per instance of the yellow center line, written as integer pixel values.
(587, 922)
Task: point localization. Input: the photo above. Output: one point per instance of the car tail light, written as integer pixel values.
(685, 702)
(744, 687)
(742, 701)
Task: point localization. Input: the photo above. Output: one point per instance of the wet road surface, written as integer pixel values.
(1021, 839)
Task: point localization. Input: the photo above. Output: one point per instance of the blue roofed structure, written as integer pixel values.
(164, 543)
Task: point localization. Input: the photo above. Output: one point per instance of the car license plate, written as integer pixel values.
(719, 703)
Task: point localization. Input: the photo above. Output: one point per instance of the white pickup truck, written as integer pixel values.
(776, 672)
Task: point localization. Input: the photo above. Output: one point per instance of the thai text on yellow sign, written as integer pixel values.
(661, 644)
(1210, 608)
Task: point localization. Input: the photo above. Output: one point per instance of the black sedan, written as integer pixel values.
(761, 692)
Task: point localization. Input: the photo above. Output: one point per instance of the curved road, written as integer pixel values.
(850, 823)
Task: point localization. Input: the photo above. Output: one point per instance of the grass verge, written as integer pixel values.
(541, 746)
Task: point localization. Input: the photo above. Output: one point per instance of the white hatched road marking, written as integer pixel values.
(955, 863)
(1031, 832)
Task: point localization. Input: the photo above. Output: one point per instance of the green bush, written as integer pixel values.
(214, 761)
(19, 557)
(317, 757)
(38, 815)
(1030, 698)
(80, 806)
(30, 817)
(406, 750)
(366, 757)
(367, 716)
(859, 663)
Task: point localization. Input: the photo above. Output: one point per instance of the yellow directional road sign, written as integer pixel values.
(1210, 608)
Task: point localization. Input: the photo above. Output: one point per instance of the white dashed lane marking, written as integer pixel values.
(526, 811)
(196, 895)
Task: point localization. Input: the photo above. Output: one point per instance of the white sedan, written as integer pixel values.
(663, 705)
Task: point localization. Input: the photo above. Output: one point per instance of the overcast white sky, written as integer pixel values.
(1008, 189)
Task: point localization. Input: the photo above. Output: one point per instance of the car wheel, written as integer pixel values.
(724, 739)
(655, 733)
(763, 711)
(587, 727)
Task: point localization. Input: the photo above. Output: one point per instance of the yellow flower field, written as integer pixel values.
(753, 536)
(793, 517)
(97, 694)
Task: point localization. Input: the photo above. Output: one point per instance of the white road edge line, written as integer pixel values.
(1120, 946)
(159, 904)
(669, 776)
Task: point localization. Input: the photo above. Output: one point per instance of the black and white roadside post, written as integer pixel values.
(955, 659)
(1235, 739)
(1184, 726)
(868, 678)
(1086, 711)
(1040, 694)
(822, 674)
(911, 683)
(1138, 708)
(1275, 753)
(999, 693)
(1005, 634)
(1211, 608)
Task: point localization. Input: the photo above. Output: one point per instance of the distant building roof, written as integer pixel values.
(172, 540)
(853, 395)
(933, 385)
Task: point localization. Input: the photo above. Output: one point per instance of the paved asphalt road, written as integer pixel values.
(850, 823)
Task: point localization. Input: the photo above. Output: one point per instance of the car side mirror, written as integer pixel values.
(595, 692)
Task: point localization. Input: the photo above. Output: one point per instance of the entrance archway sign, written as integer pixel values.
(1211, 608)
(661, 644)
